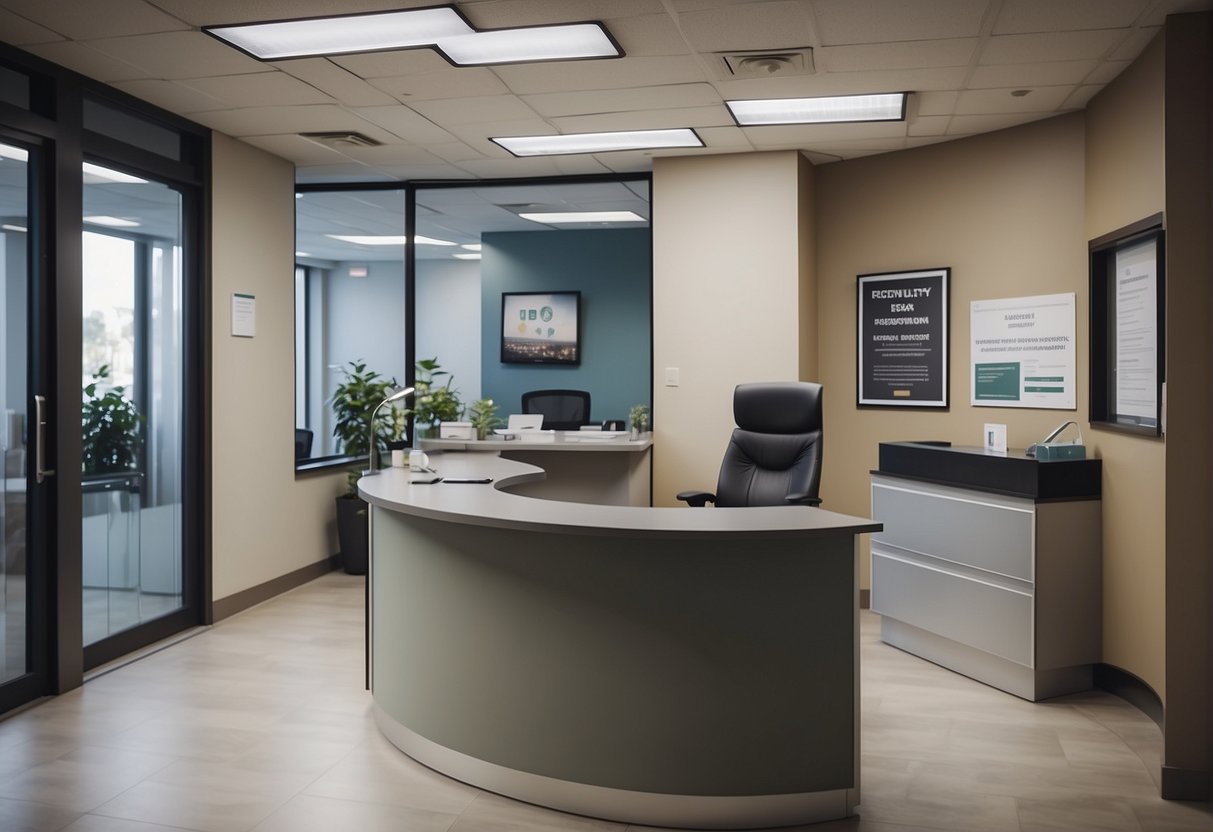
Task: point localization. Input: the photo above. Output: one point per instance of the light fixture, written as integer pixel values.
(372, 449)
(111, 222)
(531, 44)
(20, 229)
(473, 255)
(372, 32)
(471, 246)
(599, 142)
(387, 240)
(302, 254)
(557, 217)
(7, 151)
(888, 106)
(95, 174)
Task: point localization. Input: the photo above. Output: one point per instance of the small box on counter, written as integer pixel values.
(456, 430)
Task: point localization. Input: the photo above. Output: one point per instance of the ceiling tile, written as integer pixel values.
(529, 79)
(730, 28)
(343, 85)
(496, 14)
(812, 135)
(1158, 15)
(18, 31)
(405, 173)
(1081, 97)
(263, 89)
(218, 12)
(967, 125)
(475, 110)
(267, 121)
(626, 162)
(405, 123)
(1132, 46)
(495, 168)
(177, 55)
(649, 34)
(622, 101)
(934, 103)
(1106, 71)
(392, 154)
(348, 172)
(454, 152)
(874, 21)
(477, 136)
(1050, 46)
(905, 55)
(923, 141)
(929, 125)
(723, 137)
(1017, 16)
(984, 102)
(171, 95)
(104, 18)
(713, 116)
(864, 145)
(393, 64)
(86, 61)
(449, 83)
(1051, 73)
(819, 158)
(297, 149)
(846, 83)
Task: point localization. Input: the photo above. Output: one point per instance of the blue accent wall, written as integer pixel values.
(613, 271)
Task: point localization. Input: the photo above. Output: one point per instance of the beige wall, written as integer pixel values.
(727, 271)
(265, 522)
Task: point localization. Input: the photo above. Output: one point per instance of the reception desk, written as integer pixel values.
(659, 666)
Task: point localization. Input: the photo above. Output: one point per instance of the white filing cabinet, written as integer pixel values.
(1003, 586)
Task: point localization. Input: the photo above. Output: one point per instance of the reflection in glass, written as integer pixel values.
(132, 390)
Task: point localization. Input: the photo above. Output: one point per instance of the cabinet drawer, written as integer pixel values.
(992, 618)
(994, 535)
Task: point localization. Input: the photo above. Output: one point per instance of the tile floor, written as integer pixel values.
(261, 723)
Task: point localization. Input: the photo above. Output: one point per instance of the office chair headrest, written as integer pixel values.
(778, 407)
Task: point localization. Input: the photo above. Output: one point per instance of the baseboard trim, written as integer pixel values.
(865, 599)
(254, 595)
(1184, 784)
(1130, 688)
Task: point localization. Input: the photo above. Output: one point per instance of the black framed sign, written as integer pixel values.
(1128, 328)
(541, 327)
(902, 353)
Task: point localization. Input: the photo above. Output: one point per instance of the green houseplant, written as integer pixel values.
(354, 399)
(483, 416)
(638, 419)
(112, 428)
(434, 400)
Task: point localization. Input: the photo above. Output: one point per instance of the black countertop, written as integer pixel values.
(1015, 474)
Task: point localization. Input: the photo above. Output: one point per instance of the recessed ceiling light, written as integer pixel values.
(387, 240)
(536, 43)
(471, 246)
(112, 222)
(557, 217)
(890, 106)
(469, 256)
(95, 174)
(371, 32)
(20, 229)
(9, 152)
(302, 254)
(599, 142)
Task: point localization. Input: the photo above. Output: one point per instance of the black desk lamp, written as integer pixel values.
(373, 454)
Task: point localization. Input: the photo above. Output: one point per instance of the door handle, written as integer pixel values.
(40, 470)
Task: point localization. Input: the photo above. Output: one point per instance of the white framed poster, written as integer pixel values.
(1022, 352)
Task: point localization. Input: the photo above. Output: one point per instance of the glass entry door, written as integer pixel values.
(132, 387)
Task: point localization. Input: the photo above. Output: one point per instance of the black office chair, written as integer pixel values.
(303, 443)
(561, 409)
(774, 457)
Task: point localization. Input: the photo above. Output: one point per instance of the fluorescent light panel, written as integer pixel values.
(343, 35)
(111, 222)
(19, 229)
(599, 142)
(471, 246)
(539, 43)
(7, 151)
(888, 106)
(468, 256)
(94, 174)
(558, 217)
(387, 240)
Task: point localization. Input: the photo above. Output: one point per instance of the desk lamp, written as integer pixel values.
(373, 454)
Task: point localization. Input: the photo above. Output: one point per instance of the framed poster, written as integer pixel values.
(540, 327)
(1127, 328)
(1021, 352)
(903, 338)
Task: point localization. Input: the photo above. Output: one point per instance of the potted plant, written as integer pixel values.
(638, 419)
(483, 417)
(111, 429)
(433, 402)
(353, 402)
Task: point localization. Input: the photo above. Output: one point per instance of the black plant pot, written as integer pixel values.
(352, 534)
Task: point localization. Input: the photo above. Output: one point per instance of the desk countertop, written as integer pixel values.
(573, 441)
(494, 506)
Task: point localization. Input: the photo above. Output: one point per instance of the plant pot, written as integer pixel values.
(352, 534)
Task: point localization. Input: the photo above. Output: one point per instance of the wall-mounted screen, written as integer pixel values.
(541, 328)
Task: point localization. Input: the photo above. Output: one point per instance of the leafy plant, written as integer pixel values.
(483, 415)
(111, 428)
(638, 417)
(434, 402)
(353, 401)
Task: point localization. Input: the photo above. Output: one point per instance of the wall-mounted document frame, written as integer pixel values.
(541, 327)
(902, 348)
(1128, 315)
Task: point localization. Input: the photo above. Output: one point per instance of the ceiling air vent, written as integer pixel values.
(767, 63)
(341, 139)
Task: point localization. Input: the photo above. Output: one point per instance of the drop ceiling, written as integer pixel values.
(961, 58)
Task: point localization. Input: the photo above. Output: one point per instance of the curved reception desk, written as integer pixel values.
(660, 666)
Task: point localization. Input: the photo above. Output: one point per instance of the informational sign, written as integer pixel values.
(903, 339)
(1022, 352)
(244, 315)
(1136, 334)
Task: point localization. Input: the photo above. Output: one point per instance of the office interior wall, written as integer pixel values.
(726, 302)
(365, 320)
(611, 269)
(448, 320)
(266, 523)
(806, 243)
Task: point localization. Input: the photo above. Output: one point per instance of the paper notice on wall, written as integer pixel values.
(1136, 368)
(244, 315)
(1022, 352)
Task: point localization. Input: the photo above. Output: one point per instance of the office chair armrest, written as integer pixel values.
(802, 500)
(697, 498)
